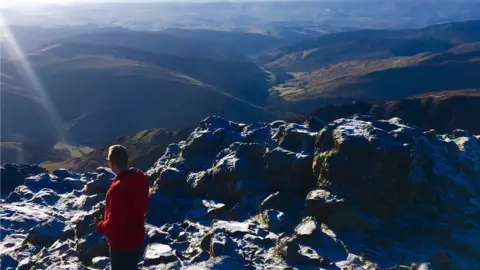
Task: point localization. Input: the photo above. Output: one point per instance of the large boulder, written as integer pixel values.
(238, 163)
(288, 170)
(171, 178)
(85, 222)
(365, 163)
(310, 233)
(296, 138)
(314, 123)
(160, 208)
(30, 170)
(201, 146)
(45, 197)
(91, 246)
(13, 175)
(11, 178)
(63, 173)
(39, 181)
(47, 233)
(21, 193)
(69, 184)
(385, 177)
(336, 212)
(100, 183)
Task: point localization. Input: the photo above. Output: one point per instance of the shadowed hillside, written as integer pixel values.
(144, 148)
(160, 43)
(90, 86)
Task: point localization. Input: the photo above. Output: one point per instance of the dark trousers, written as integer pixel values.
(125, 259)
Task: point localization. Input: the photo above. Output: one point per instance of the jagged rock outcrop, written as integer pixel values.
(16, 175)
(356, 193)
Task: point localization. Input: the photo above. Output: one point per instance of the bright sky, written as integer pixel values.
(10, 3)
(70, 1)
(13, 3)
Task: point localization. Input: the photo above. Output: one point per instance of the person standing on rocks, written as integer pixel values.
(126, 205)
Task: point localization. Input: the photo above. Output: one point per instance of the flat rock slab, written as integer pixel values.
(306, 228)
(159, 254)
(232, 227)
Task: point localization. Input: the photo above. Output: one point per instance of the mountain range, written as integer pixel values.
(289, 19)
(87, 86)
(377, 65)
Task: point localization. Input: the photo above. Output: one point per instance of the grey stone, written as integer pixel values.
(25, 264)
(99, 185)
(220, 263)
(156, 253)
(100, 262)
(306, 228)
(91, 246)
(275, 219)
(273, 201)
(47, 233)
(63, 173)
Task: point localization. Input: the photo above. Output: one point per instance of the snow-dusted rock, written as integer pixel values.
(159, 254)
(63, 173)
(356, 193)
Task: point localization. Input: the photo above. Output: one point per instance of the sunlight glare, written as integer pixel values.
(38, 87)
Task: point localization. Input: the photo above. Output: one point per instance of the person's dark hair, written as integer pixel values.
(118, 155)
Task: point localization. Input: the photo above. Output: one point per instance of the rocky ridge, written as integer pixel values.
(357, 193)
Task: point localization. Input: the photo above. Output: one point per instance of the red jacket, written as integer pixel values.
(126, 205)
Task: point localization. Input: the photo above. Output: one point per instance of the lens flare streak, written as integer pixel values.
(38, 87)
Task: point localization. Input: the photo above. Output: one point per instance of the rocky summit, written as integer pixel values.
(356, 193)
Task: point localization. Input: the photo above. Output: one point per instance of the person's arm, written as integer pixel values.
(117, 212)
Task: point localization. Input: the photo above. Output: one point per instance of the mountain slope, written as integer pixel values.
(144, 148)
(371, 44)
(92, 86)
(384, 79)
(159, 43)
(249, 44)
(239, 78)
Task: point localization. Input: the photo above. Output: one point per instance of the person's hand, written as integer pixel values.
(96, 220)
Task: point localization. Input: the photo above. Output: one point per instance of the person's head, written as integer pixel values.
(117, 158)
